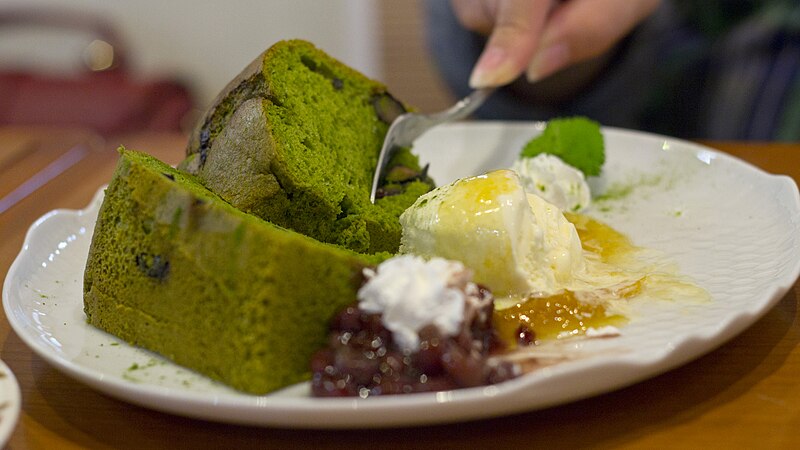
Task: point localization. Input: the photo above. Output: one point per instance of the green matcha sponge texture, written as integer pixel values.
(294, 140)
(176, 270)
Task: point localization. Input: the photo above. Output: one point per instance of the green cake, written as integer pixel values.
(234, 263)
(294, 139)
(174, 269)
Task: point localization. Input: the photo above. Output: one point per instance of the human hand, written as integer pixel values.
(541, 37)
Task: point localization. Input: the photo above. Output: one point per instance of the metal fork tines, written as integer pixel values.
(409, 126)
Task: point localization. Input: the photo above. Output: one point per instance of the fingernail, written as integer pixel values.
(547, 61)
(492, 69)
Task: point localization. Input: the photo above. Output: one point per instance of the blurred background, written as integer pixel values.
(121, 65)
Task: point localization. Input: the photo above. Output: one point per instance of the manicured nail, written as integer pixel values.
(547, 61)
(492, 69)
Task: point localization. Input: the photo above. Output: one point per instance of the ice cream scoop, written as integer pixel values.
(516, 243)
(554, 180)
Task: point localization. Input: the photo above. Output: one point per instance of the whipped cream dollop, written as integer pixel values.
(516, 243)
(411, 292)
(552, 179)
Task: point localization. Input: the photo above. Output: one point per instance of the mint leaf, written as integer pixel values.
(576, 140)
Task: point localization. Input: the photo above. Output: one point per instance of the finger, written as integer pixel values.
(475, 15)
(582, 29)
(511, 45)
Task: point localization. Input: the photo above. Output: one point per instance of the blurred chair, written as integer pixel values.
(104, 97)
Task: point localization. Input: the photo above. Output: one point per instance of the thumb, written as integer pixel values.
(515, 35)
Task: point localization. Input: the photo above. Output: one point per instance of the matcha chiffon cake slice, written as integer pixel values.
(176, 270)
(294, 139)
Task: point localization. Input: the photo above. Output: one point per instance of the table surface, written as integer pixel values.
(744, 394)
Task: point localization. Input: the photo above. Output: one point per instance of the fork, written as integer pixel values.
(406, 128)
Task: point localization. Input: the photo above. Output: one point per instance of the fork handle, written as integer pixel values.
(465, 106)
(458, 111)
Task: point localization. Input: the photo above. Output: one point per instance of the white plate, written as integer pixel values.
(9, 403)
(733, 228)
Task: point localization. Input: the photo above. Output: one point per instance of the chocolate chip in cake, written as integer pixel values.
(205, 143)
(388, 190)
(154, 266)
(387, 107)
(401, 174)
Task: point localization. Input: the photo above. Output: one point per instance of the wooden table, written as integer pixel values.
(745, 394)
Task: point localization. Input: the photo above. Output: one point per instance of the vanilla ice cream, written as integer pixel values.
(516, 243)
(552, 179)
